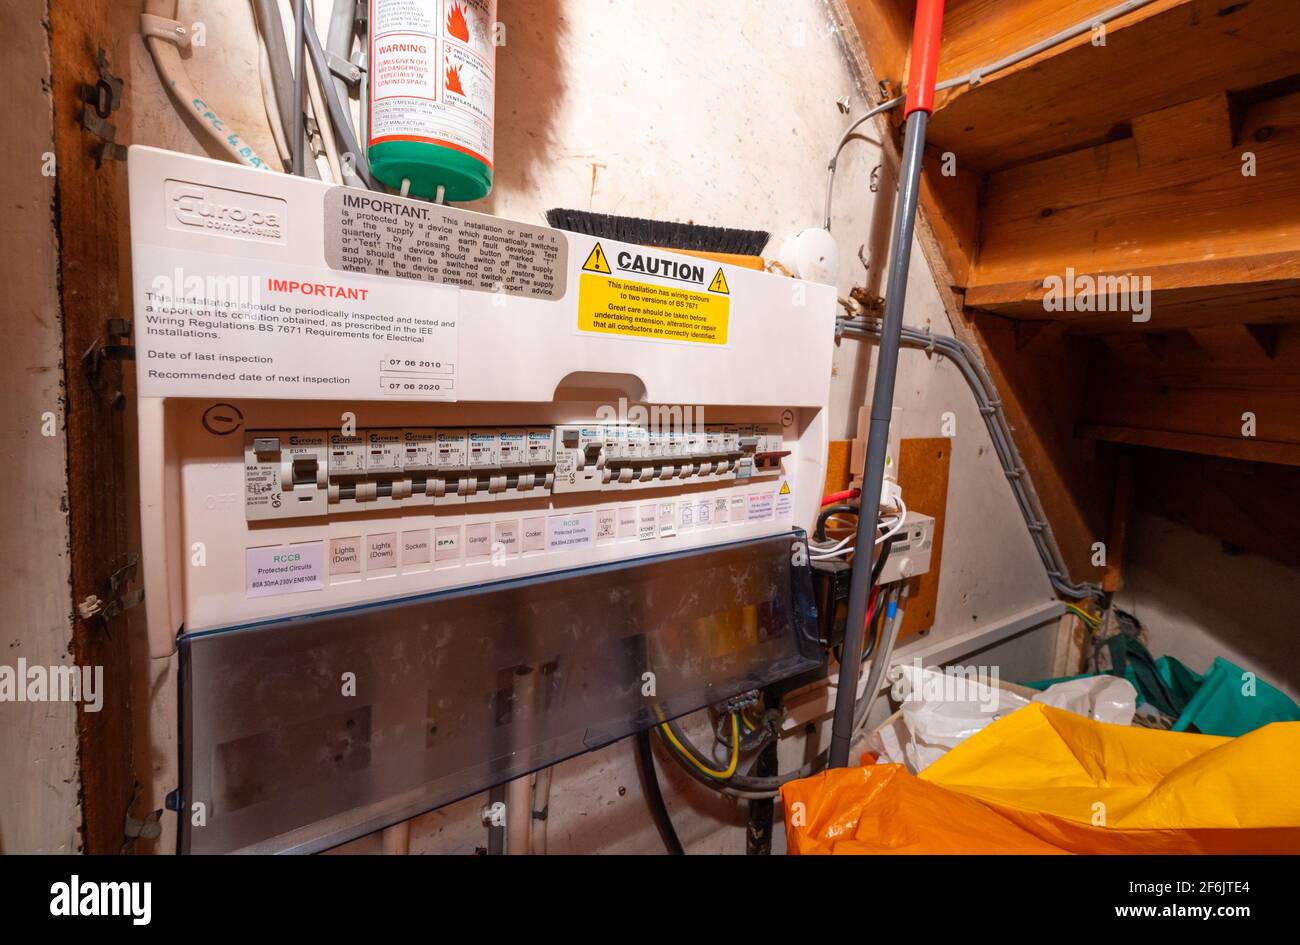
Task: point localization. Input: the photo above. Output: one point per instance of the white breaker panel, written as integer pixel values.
(347, 397)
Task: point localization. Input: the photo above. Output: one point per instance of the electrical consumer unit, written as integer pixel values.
(431, 499)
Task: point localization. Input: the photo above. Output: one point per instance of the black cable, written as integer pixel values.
(645, 762)
(873, 624)
(827, 512)
(878, 569)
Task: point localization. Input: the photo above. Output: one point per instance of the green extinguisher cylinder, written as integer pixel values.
(432, 96)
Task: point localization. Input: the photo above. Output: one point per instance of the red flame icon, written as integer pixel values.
(453, 80)
(456, 25)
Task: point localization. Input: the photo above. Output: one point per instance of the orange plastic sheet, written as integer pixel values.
(1044, 780)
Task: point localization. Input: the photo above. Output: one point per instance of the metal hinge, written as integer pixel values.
(101, 100)
(116, 598)
(113, 345)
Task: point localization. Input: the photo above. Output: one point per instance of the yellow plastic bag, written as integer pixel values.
(1046, 780)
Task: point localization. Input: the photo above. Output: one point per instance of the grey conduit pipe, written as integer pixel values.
(298, 130)
(1004, 445)
(882, 408)
(920, 101)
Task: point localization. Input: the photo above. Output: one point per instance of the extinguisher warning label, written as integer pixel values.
(433, 74)
(383, 235)
(697, 310)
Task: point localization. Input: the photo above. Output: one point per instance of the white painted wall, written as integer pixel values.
(1198, 602)
(721, 113)
(39, 783)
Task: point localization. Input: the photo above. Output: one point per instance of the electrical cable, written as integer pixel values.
(341, 125)
(654, 795)
(876, 608)
(975, 77)
(270, 31)
(880, 665)
(678, 740)
(898, 523)
(338, 42)
(826, 512)
(167, 59)
(990, 408)
(836, 497)
(324, 126)
(268, 102)
(298, 134)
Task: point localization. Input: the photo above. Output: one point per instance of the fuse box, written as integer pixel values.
(338, 409)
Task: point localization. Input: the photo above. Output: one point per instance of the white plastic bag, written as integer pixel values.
(941, 710)
(1102, 698)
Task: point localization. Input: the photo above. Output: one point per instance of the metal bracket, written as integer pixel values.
(132, 829)
(117, 599)
(109, 347)
(99, 102)
(345, 69)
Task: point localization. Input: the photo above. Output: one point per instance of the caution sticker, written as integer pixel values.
(661, 298)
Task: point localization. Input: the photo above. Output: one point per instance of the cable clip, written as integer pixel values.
(975, 77)
(169, 31)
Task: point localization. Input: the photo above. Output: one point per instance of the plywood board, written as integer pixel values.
(923, 466)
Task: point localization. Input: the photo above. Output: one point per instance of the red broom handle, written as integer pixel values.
(926, 31)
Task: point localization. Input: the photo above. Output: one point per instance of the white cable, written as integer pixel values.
(167, 59)
(269, 101)
(323, 126)
(898, 525)
(824, 552)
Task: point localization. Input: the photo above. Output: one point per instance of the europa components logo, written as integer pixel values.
(222, 212)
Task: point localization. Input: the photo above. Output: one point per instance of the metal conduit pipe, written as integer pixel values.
(990, 407)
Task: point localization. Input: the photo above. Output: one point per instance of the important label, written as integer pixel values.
(212, 325)
(663, 299)
(410, 239)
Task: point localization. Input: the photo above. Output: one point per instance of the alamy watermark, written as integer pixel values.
(35, 683)
(1084, 293)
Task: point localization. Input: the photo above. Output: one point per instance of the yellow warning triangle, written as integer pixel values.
(719, 284)
(785, 488)
(596, 262)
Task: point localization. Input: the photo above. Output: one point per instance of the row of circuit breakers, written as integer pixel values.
(306, 473)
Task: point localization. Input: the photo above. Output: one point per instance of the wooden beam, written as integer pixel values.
(952, 194)
(1236, 343)
(1223, 217)
(92, 222)
(1256, 290)
(1254, 450)
(1081, 94)
(1186, 130)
